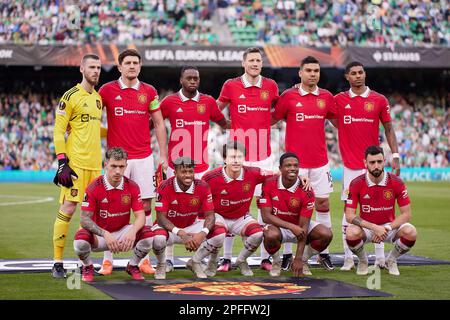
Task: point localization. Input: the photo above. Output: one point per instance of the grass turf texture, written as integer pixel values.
(26, 232)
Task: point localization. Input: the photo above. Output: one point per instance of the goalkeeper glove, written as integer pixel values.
(65, 174)
(160, 175)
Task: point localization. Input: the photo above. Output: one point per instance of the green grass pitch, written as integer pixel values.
(26, 232)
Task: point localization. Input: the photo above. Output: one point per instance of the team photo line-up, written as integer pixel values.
(205, 209)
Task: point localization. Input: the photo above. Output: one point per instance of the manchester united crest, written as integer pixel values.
(201, 108)
(142, 98)
(294, 203)
(99, 104)
(194, 201)
(388, 194)
(125, 199)
(264, 95)
(231, 288)
(320, 103)
(246, 187)
(62, 105)
(73, 192)
(369, 106)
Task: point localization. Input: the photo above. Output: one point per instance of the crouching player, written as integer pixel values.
(105, 217)
(287, 209)
(179, 202)
(376, 192)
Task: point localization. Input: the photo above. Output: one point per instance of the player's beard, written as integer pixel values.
(92, 81)
(376, 172)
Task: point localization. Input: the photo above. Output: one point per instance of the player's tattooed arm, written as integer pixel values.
(357, 221)
(88, 224)
(161, 218)
(210, 220)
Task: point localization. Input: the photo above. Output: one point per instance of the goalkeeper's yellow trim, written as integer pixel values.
(60, 230)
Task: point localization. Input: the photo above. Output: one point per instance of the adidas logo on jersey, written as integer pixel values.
(242, 96)
(347, 107)
(105, 200)
(224, 192)
(118, 98)
(366, 196)
(180, 110)
(85, 105)
(299, 104)
(174, 201)
(276, 198)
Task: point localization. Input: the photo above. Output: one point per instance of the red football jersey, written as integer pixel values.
(377, 202)
(183, 207)
(189, 119)
(287, 204)
(111, 206)
(305, 115)
(359, 121)
(250, 109)
(232, 198)
(128, 112)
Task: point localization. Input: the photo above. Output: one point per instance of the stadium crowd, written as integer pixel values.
(421, 125)
(299, 22)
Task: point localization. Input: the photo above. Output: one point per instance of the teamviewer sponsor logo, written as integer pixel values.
(118, 111)
(299, 116)
(242, 108)
(179, 123)
(225, 203)
(347, 119)
(365, 208)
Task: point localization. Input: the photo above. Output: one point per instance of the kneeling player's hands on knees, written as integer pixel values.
(112, 243)
(128, 241)
(198, 238)
(297, 267)
(380, 232)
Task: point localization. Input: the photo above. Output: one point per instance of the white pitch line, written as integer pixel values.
(31, 201)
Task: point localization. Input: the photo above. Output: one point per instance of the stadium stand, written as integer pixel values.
(316, 23)
(421, 124)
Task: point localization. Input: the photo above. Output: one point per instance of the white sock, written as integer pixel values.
(251, 243)
(359, 251)
(308, 252)
(325, 219)
(210, 246)
(169, 253)
(228, 247)
(347, 252)
(83, 251)
(107, 255)
(159, 248)
(141, 250)
(398, 249)
(379, 251)
(287, 248)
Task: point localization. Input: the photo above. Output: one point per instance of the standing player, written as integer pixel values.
(250, 99)
(376, 191)
(130, 104)
(359, 112)
(305, 110)
(189, 113)
(180, 200)
(105, 217)
(287, 209)
(80, 112)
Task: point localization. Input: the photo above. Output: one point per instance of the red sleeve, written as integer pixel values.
(385, 115)
(353, 196)
(402, 194)
(207, 201)
(90, 200)
(276, 94)
(332, 110)
(136, 201)
(103, 92)
(165, 107)
(225, 93)
(307, 208)
(215, 114)
(162, 200)
(265, 200)
(281, 108)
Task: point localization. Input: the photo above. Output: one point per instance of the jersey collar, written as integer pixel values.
(123, 86)
(247, 84)
(109, 187)
(291, 189)
(183, 98)
(228, 179)
(382, 183)
(304, 93)
(178, 189)
(365, 94)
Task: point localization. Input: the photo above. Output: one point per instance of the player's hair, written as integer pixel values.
(287, 155)
(185, 162)
(233, 145)
(251, 50)
(373, 151)
(128, 53)
(116, 153)
(308, 59)
(351, 65)
(184, 68)
(89, 56)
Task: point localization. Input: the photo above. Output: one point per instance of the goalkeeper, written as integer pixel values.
(79, 155)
